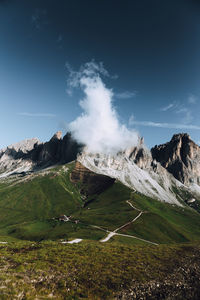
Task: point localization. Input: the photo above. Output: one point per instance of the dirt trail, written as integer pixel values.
(128, 222)
(127, 201)
(112, 233)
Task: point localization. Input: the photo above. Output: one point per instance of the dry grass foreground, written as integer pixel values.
(90, 270)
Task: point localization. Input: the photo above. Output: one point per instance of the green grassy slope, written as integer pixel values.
(28, 206)
(109, 210)
(50, 270)
(164, 222)
(44, 196)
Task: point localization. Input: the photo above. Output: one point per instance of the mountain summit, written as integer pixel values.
(169, 172)
(181, 157)
(31, 154)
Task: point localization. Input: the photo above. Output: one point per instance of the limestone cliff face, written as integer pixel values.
(57, 150)
(142, 175)
(30, 154)
(15, 157)
(139, 168)
(140, 155)
(90, 182)
(181, 157)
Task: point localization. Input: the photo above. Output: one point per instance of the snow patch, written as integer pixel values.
(75, 241)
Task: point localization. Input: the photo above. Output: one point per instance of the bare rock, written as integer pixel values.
(181, 157)
(91, 183)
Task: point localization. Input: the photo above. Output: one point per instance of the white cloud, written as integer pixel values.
(125, 95)
(166, 125)
(168, 107)
(89, 69)
(181, 109)
(46, 115)
(98, 127)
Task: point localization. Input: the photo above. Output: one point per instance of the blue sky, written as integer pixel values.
(150, 48)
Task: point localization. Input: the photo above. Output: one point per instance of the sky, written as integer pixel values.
(149, 49)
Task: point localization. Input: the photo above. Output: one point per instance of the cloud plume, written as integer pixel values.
(98, 126)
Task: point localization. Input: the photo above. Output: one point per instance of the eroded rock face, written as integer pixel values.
(140, 155)
(15, 157)
(181, 157)
(90, 182)
(30, 154)
(153, 180)
(57, 150)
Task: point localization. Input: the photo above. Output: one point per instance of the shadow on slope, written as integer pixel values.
(30, 209)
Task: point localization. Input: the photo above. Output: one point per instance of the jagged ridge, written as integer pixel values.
(181, 157)
(31, 154)
(137, 167)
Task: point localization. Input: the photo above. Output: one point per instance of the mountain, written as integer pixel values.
(91, 183)
(138, 233)
(168, 172)
(139, 170)
(181, 157)
(32, 208)
(30, 155)
(16, 157)
(57, 150)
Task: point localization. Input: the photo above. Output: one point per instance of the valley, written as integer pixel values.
(30, 206)
(87, 218)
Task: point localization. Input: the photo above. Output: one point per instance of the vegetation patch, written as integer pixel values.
(89, 270)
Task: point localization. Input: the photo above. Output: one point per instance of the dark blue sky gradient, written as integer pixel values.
(152, 46)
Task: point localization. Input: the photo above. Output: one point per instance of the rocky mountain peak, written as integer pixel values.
(139, 154)
(181, 157)
(180, 136)
(57, 136)
(16, 157)
(23, 146)
(30, 154)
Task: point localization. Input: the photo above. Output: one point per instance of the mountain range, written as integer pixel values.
(42, 181)
(135, 215)
(167, 172)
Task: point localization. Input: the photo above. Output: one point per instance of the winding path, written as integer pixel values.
(112, 233)
(127, 201)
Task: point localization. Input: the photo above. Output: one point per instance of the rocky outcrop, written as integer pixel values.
(181, 157)
(140, 155)
(153, 181)
(57, 150)
(15, 157)
(145, 171)
(31, 154)
(69, 149)
(90, 182)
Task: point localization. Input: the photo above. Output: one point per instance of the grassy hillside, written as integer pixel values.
(35, 264)
(180, 224)
(30, 205)
(50, 270)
